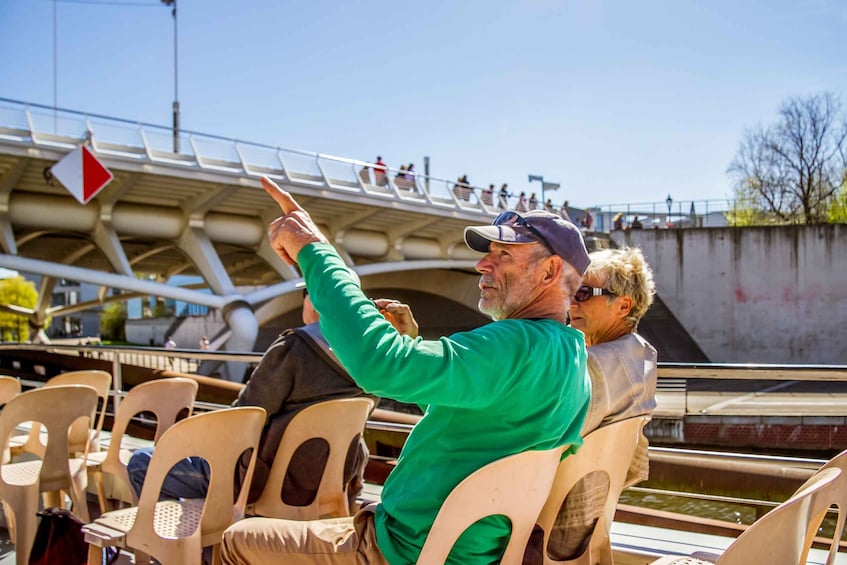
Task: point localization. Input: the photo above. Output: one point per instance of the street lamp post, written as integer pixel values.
(669, 202)
(176, 77)
(540, 179)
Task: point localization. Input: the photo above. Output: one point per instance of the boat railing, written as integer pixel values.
(675, 379)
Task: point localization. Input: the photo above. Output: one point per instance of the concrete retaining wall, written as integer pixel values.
(754, 295)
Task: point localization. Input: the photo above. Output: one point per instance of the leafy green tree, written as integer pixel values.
(113, 321)
(16, 291)
(793, 171)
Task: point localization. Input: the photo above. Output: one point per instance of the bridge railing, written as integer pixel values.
(62, 129)
(137, 141)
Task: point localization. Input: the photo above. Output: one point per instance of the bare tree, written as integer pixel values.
(792, 171)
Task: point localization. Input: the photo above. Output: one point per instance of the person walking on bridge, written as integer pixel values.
(516, 384)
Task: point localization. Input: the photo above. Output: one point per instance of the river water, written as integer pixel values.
(716, 510)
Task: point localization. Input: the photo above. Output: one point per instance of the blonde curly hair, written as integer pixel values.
(626, 273)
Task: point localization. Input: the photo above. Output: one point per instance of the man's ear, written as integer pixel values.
(552, 270)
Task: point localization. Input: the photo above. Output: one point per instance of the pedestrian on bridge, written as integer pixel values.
(503, 198)
(380, 172)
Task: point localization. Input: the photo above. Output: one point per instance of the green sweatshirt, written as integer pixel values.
(507, 387)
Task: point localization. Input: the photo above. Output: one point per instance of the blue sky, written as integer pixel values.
(619, 101)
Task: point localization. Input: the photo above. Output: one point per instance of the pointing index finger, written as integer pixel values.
(283, 198)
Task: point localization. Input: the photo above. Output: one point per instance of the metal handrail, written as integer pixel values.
(719, 371)
(88, 130)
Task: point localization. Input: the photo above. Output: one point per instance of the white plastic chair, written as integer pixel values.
(515, 486)
(57, 409)
(783, 535)
(175, 531)
(164, 398)
(608, 450)
(339, 422)
(81, 438)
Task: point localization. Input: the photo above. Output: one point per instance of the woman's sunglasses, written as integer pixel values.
(586, 292)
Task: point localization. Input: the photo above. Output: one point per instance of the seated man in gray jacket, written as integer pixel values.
(296, 371)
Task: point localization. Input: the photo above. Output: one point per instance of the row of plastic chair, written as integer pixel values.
(184, 527)
(531, 488)
(516, 487)
(176, 531)
(526, 487)
(52, 410)
(51, 472)
(166, 399)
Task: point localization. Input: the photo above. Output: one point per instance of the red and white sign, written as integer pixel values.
(82, 174)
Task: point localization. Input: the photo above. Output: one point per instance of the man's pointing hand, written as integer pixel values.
(293, 230)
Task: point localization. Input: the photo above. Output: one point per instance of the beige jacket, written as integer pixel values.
(623, 385)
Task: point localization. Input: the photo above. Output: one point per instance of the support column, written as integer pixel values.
(237, 314)
(245, 328)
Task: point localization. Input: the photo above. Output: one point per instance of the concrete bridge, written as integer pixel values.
(202, 212)
(725, 294)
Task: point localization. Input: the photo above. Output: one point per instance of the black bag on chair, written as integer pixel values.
(59, 539)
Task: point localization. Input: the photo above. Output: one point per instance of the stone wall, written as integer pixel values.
(754, 295)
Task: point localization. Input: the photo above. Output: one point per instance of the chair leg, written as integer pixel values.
(216, 554)
(78, 497)
(100, 485)
(95, 554)
(10, 519)
(25, 526)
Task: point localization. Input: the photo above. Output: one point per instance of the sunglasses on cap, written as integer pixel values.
(585, 292)
(515, 219)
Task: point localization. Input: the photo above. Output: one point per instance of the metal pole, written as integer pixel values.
(55, 70)
(176, 84)
(426, 173)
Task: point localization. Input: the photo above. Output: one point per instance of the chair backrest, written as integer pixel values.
(10, 387)
(101, 381)
(339, 422)
(785, 534)
(55, 408)
(838, 499)
(608, 450)
(165, 398)
(514, 486)
(219, 437)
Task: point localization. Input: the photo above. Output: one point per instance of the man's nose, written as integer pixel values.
(484, 264)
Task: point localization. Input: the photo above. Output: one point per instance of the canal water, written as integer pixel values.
(717, 510)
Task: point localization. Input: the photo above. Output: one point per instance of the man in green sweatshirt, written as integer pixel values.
(517, 384)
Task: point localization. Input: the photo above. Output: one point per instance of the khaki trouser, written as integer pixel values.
(335, 541)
